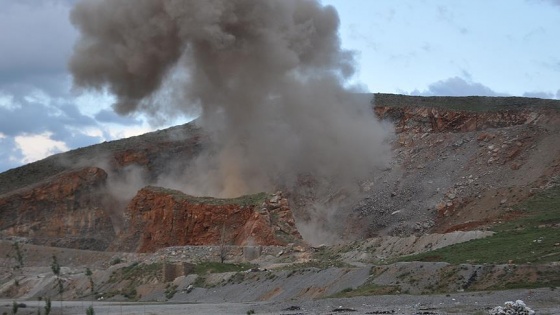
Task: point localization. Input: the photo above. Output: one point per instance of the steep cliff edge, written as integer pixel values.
(65, 210)
(463, 114)
(432, 119)
(74, 210)
(158, 217)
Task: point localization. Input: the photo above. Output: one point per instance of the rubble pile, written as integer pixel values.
(512, 308)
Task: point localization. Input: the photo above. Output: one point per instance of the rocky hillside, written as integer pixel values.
(460, 163)
(93, 198)
(470, 202)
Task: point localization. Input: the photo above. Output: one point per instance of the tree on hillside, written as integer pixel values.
(89, 274)
(17, 255)
(47, 306)
(15, 307)
(55, 267)
(223, 249)
(17, 269)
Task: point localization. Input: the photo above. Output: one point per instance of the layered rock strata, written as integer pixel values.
(65, 211)
(158, 217)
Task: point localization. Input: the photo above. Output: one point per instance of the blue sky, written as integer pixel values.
(421, 47)
(501, 47)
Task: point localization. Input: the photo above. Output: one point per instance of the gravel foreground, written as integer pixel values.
(542, 301)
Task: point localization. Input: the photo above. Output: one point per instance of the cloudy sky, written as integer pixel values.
(422, 47)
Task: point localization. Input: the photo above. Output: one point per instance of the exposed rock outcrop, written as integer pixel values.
(158, 217)
(432, 119)
(74, 210)
(65, 210)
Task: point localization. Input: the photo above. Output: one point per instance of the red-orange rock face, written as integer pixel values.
(128, 157)
(432, 119)
(61, 211)
(158, 218)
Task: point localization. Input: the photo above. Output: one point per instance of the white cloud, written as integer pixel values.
(93, 132)
(38, 146)
(457, 86)
(119, 132)
(539, 94)
(6, 100)
(556, 2)
(38, 96)
(91, 102)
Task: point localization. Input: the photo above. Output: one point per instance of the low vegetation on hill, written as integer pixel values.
(466, 103)
(246, 200)
(533, 236)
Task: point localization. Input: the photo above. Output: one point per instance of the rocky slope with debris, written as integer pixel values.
(462, 169)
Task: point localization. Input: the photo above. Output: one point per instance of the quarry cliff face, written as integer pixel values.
(474, 166)
(65, 210)
(431, 119)
(78, 207)
(70, 211)
(461, 163)
(158, 218)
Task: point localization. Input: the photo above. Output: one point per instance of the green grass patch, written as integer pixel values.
(365, 290)
(205, 268)
(317, 264)
(531, 238)
(216, 267)
(133, 275)
(520, 284)
(323, 258)
(138, 272)
(170, 290)
(466, 103)
(248, 200)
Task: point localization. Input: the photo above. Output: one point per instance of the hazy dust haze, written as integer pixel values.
(267, 76)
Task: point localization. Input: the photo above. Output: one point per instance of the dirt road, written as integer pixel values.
(543, 301)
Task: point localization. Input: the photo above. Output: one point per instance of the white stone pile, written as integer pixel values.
(512, 308)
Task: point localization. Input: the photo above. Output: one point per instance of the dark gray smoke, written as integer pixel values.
(268, 77)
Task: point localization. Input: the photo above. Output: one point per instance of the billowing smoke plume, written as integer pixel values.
(267, 76)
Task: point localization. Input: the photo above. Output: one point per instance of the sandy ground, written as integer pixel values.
(543, 301)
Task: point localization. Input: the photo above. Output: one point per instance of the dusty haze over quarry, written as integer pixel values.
(267, 76)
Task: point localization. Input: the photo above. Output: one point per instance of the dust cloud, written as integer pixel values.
(268, 77)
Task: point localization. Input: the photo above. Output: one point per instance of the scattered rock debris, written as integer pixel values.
(512, 308)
